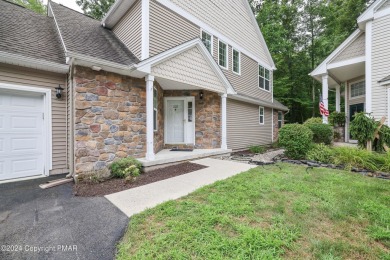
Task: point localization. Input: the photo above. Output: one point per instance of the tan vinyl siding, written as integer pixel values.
(354, 50)
(168, 29)
(380, 65)
(228, 18)
(243, 128)
(34, 78)
(248, 82)
(129, 29)
(384, 6)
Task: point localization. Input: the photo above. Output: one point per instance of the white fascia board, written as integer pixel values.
(382, 13)
(117, 10)
(346, 62)
(385, 83)
(322, 68)
(256, 102)
(23, 61)
(145, 10)
(168, 4)
(369, 13)
(144, 67)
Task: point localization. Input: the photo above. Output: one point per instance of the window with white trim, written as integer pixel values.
(264, 78)
(222, 54)
(207, 40)
(236, 61)
(280, 119)
(358, 89)
(155, 106)
(261, 115)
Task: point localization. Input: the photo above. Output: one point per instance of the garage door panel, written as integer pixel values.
(21, 135)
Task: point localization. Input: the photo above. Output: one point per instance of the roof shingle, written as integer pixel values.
(85, 35)
(27, 33)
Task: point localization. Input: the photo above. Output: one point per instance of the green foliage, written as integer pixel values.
(337, 118)
(296, 139)
(313, 120)
(257, 149)
(362, 128)
(384, 139)
(357, 158)
(34, 5)
(322, 133)
(95, 8)
(126, 168)
(321, 153)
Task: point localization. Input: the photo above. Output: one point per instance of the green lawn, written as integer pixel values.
(268, 213)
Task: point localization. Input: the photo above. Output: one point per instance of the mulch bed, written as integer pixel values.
(117, 185)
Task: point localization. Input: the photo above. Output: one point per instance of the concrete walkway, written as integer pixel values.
(136, 200)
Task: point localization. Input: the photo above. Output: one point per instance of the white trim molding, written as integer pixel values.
(370, 13)
(212, 40)
(388, 106)
(23, 61)
(224, 121)
(368, 102)
(346, 62)
(239, 61)
(261, 108)
(325, 96)
(145, 29)
(46, 92)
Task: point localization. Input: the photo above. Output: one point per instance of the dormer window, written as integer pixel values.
(222, 55)
(207, 40)
(264, 78)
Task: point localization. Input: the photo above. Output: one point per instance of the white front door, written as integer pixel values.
(179, 120)
(21, 135)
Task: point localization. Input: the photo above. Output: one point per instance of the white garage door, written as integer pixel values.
(21, 135)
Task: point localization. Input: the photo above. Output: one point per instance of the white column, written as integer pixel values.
(338, 108)
(149, 118)
(368, 104)
(346, 133)
(224, 131)
(325, 94)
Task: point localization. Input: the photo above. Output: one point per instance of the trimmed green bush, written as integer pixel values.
(321, 153)
(296, 139)
(257, 149)
(313, 120)
(128, 168)
(337, 118)
(322, 133)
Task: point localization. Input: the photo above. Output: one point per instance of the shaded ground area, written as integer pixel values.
(117, 185)
(276, 211)
(31, 217)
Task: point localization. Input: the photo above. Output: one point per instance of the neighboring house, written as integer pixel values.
(152, 75)
(362, 64)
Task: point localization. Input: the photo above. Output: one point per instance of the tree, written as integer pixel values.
(34, 5)
(95, 8)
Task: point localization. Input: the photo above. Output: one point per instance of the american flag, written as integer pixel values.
(323, 110)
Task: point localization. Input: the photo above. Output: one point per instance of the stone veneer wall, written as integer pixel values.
(159, 134)
(276, 129)
(207, 117)
(110, 118)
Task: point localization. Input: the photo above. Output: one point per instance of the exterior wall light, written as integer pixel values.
(59, 90)
(201, 95)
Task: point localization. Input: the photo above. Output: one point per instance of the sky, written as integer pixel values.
(68, 3)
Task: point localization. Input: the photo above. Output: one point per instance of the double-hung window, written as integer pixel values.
(261, 115)
(222, 55)
(358, 89)
(236, 61)
(280, 119)
(155, 106)
(264, 78)
(207, 40)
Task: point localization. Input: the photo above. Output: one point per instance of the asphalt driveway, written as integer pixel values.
(52, 224)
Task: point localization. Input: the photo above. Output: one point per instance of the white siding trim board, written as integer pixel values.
(145, 29)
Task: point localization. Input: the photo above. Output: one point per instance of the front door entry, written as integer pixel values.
(353, 109)
(179, 123)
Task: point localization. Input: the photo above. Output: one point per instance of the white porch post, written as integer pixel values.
(338, 108)
(149, 118)
(224, 131)
(325, 94)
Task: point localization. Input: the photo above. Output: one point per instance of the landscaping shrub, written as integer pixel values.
(357, 158)
(363, 128)
(296, 139)
(337, 118)
(322, 133)
(313, 120)
(321, 153)
(128, 168)
(257, 149)
(384, 139)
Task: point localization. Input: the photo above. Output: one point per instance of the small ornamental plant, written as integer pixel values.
(127, 168)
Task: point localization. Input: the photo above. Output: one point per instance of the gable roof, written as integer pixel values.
(28, 34)
(85, 36)
(228, 25)
(369, 13)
